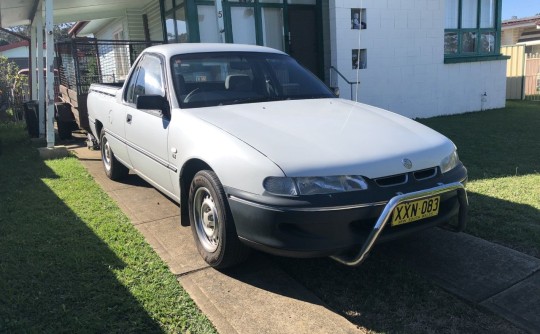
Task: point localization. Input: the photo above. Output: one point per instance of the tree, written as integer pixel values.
(61, 30)
(7, 38)
(11, 85)
(60, 33)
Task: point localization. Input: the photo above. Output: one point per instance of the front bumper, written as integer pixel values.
(295, 228)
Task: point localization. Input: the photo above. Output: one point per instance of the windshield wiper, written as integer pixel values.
(254, 100)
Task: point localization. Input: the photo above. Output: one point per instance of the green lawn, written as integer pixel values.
(70, 259)
(501, 149)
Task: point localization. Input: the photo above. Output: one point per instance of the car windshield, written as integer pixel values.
(225, 78)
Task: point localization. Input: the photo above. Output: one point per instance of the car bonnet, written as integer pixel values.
(324, 137)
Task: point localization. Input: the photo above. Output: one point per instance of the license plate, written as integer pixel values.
(412, 211)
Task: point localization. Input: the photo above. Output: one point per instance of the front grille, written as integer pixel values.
(390, 181)
(425, 173)
(396, 180)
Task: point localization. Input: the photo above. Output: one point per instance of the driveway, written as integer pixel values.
(259, 297)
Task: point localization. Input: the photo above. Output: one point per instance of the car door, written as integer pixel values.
(147, 130)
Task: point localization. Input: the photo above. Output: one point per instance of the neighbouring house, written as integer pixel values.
(16, 52)
(418, 58)
(521, 41)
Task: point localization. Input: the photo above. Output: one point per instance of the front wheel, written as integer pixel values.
(113, 168)
(212, 224)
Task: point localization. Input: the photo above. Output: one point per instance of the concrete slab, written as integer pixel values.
(174, 244)
(261, 298)
(519, 304)
(469, 267)
(145, 204)
(57, 152)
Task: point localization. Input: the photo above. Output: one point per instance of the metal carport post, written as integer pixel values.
(49, 33)
(43, 90)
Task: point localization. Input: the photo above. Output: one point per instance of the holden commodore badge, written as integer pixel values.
(407, 163)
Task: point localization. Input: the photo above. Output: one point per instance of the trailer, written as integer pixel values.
(83, 61)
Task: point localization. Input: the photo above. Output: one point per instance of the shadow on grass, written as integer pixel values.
(56, 275)
(504, 222)
(495, 143)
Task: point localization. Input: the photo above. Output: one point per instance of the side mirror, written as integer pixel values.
(154, 102)
(336, 91)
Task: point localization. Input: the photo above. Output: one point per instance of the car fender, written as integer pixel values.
(237, 164)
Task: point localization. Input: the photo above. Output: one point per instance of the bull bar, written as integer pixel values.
(391, 205)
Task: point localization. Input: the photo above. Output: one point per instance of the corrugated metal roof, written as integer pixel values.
(21, 12)
(525, 21)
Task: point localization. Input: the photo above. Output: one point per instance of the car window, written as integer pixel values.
(151, 79)
(220, 78)
(130, 85)
(148, 80)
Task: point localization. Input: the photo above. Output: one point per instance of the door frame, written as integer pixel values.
(191, 15)
(257, 8)
(318, 34)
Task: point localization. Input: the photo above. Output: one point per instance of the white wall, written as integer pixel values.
(132, 24)
(106, 33)
(405, 60)
(154, 21)
(20, 52)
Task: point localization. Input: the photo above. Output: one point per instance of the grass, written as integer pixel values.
(71, 260)
(501, 150)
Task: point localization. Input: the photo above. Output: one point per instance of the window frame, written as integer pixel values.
(131, 80)
(477, 54)
(189, 16)
(127, 96)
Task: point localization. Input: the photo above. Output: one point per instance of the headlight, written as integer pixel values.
(449, 162)
(314, 185)
(280, 186)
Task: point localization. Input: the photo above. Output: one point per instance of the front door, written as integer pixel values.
(147, 130)
(303, 34)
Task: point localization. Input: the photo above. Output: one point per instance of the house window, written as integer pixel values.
(176, 22)
(472, 28)
(258, 22)
(359, 59)
(121, 58)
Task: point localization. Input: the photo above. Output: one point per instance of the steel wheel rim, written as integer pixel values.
(106, 153)
(206, 219)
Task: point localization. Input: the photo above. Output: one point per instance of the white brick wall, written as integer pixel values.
(405, 60)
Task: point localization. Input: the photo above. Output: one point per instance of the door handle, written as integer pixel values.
(128, 118)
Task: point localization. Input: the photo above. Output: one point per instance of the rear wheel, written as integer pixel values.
(212, 224)
(113, 168)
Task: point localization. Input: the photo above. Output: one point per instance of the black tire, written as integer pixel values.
(212, 224)
(113, 168)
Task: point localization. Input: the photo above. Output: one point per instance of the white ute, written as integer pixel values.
(259, 153)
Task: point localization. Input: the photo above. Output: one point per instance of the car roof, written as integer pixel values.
(170, 50)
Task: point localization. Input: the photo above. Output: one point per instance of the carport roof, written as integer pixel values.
(21, 12)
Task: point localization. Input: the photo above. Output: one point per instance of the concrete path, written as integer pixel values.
(260, 298)
(495, 277)
(255, 298)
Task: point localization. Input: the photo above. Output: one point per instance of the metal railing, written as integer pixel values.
(83, 61)
(339, 74)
